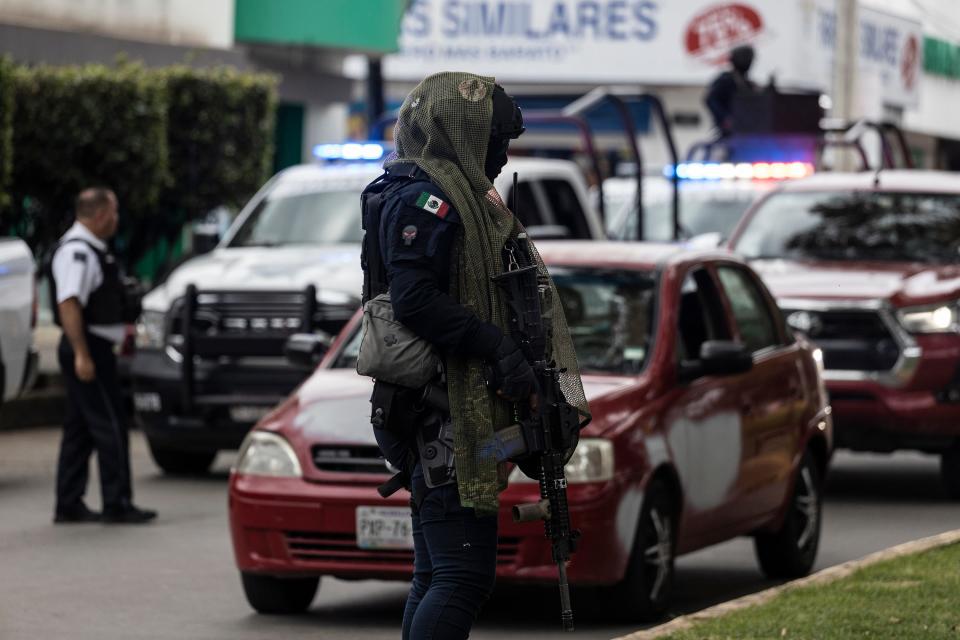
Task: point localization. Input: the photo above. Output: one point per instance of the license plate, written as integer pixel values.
(384, 528)
(147, 402)
(247, 413)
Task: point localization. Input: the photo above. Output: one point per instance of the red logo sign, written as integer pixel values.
(714, 32)
(909, 62)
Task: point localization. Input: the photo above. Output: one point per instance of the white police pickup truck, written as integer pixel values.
(211, 340)
(18, 316)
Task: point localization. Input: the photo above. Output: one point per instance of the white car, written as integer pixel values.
(289, 264)
(18, 314)
(713, 198)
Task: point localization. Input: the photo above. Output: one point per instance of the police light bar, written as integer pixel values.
(739, 170)
(349, 151)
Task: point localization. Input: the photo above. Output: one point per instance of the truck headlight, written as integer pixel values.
(267, 454)
(150, 327)
(929, 319)
(591, 462)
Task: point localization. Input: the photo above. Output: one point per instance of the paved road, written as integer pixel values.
(175, 579)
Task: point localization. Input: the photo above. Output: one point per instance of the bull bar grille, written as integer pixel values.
(257, 314)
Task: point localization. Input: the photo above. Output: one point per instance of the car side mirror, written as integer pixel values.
(206, 237)
(718, 358)
(725, 357)
(307, 349)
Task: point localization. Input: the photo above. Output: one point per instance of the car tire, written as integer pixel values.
(181, 463)
(644, 593)
(791, 551)
(950, 471)
(279, 596)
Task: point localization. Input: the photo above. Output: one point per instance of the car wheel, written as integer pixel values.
(950, 471)
(645, 590)
(791, 551)
(267, 594)
(181, 463)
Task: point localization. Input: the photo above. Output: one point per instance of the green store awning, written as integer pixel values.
(369, 26)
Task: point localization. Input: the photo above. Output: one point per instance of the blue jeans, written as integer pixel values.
(455, 564)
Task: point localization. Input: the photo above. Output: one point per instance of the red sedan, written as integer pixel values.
(710, 421)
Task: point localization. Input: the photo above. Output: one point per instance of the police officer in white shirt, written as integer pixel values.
(91, 308)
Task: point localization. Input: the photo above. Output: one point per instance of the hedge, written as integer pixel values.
(173, 143)
(6, 131)
(79, 126)
(220, 127)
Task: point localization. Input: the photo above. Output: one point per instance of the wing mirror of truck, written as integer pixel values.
(718, 358)
(307, 349)
(206, 236)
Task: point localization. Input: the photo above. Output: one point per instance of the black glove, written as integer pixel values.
(512, 376)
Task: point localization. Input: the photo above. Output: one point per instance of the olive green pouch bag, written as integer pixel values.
(390, 352)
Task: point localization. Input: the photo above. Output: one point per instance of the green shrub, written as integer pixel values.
(79, 126)
(220, 128)
(6, 131)
(173, 143)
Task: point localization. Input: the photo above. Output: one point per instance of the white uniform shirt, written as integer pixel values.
(76, 270)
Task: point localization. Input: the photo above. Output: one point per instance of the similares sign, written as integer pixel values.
(649, 42)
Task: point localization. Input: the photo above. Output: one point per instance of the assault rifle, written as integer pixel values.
(544, 436)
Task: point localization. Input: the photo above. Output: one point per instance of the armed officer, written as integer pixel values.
(723, 89)
(90, 305)
(439, 236)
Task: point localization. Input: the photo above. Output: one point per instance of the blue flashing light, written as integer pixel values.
(352, 151)
(739, 170)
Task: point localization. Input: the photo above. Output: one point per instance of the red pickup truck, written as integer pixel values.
(690, 443)
(867, 265)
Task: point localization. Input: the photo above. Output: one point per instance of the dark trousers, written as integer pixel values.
(455, 564)
(95, 421)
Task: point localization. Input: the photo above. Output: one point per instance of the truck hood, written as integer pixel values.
(333, 406)
(333, 269)
(900, 283)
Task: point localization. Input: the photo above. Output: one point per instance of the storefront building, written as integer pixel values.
(550, 51)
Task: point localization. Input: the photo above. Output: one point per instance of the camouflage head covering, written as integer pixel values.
(444, 128)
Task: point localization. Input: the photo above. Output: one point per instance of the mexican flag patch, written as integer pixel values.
(433, 204)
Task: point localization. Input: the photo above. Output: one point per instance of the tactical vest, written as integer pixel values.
(371, 203)
(108, 303)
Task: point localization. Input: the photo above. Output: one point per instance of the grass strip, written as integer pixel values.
(914, 596)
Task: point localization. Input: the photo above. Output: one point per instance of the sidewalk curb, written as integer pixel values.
(825, 576)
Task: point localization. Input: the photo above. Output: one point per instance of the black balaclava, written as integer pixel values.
(742, 58)
(506, 124)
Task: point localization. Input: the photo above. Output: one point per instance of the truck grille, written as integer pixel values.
(257, 314)
(349, 459)
(851, 339)
(314, 546)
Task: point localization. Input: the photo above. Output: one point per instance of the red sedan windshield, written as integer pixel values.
(609, 311)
